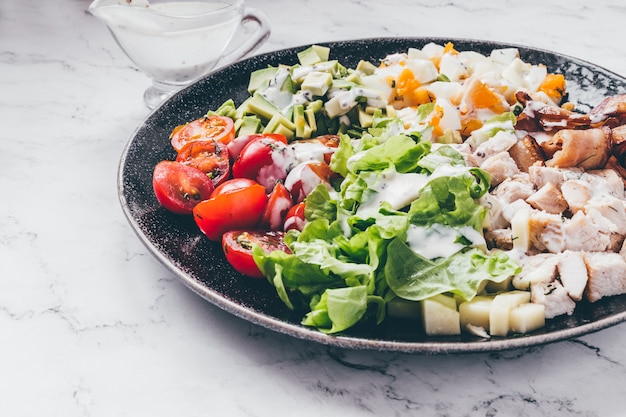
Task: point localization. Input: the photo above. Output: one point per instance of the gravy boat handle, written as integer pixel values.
(255, 39)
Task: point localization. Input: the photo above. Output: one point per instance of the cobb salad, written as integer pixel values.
(456, 189)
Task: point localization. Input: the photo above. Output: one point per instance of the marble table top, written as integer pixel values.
(91, 324)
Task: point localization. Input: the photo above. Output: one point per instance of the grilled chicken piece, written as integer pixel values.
(618, 135)
(587, 149)
(614, 165)
(607, 275)
(549, 199)
(499, 239)
(527, 152)
(554, 297)
(605, 180)
(612, 209)
(588, 231)
(518, 187)
(546, 231)
(501, 142)
(536, 269)
(576, 193)
(573, 273)
(540, 175)
(501, 166)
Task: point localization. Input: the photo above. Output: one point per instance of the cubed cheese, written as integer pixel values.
(440, 316)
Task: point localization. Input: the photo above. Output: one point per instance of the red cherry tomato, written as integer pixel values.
(305, 177)
(219, 128)
(266, 161)
(278, 204)
(295, 218)
(178, 187)
(237, 144)
(237, 246)
(237, 207)
(233, 184)
(209, 156)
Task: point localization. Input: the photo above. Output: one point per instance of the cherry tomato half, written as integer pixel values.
(233, 184)
(237, 246)
(295, 218)
(278, 204)
(231, 209)
(305, 177)
(178, 187)
(209, 156)
(237, 144)
(266, 161)
(219, 128)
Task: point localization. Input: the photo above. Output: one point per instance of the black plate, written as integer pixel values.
(200, 264)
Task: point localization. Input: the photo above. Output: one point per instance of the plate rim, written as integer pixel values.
(346, 341)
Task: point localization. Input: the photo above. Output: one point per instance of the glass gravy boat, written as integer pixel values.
(175, 42)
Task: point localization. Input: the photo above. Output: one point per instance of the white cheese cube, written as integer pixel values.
(520, 228)
(440, 316)
(499, 316)
(476, 312)
(527, 317)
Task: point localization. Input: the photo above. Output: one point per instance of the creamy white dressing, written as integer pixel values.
(397, 189)
(283, 160)
(275, 94)
(311, 150)
(440, 241)
(347, 99)
(302, 179)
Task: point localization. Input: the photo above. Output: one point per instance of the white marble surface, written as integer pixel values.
(92, 325)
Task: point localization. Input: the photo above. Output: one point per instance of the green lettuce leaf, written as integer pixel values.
(400, 152)
(451, 200)
(341, 308)
(413, 277)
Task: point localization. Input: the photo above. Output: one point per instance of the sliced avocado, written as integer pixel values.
(317, 83)
(354, 77)
(309, 113)
(342, 84)
(257, 104)
(242, 110)
(366, 67)
(315, 106)
(248, 125)
(322, 51)
(283, 130)
(365, 119)
(299, 119)
(227, 109)
(314, 55)
(261, 78)
(276, 120)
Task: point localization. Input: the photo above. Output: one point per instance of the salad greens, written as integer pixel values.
(355, 252)
(405, 220)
